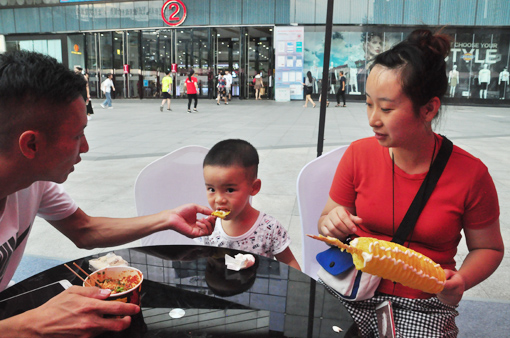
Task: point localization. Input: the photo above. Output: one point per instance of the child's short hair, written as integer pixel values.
(232, 152)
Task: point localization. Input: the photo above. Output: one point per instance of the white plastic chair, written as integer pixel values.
(170, 181)
(313, 184)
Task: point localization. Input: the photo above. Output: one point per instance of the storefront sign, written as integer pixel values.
(174, 67)
(126, 69)
(173, 12)
(76, 50)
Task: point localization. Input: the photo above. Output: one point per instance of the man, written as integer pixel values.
(341, 89)
(166, 91)
(42, 122)
(228, 87)
(107, 87)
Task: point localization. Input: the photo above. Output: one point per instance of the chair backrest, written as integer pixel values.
(313, 184)
(170, 181)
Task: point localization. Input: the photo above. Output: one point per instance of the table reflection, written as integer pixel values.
(270, 299)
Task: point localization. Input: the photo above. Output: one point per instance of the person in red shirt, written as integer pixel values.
(192, 90)
(378, 177)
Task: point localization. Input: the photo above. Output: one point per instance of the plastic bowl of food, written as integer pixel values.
(125, 283)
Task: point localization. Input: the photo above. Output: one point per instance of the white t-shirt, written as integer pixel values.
(44, 199)
(267, 237)
(228, 77)
(108, 84)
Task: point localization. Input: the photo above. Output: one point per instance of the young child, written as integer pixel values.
(230, 173)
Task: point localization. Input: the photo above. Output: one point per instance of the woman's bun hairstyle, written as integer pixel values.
(421, 61)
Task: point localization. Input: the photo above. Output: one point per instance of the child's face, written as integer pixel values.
(228, 188)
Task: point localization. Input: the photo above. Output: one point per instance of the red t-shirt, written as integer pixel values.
(464, 197)
(190, 85)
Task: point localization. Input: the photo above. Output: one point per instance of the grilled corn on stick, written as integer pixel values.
(392, 261)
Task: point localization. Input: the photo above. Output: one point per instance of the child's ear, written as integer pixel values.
(255, 187)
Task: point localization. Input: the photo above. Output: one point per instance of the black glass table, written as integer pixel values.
(188, 292)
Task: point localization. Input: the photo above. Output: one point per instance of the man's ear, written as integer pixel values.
(430, 109)
(29, 143)
(255, 187)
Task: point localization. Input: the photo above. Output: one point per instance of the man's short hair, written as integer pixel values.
(32, 86)
(234, 152)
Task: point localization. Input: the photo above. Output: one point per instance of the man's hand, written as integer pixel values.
(183, 219)
(76, 312)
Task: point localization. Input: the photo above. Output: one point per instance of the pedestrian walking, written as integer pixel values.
(107, 87)
(341, 89)
(166, 91)
(191, 89)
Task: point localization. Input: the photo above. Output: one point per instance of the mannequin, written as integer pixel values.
(453, 80)
(503, 82)
(353, 81)
(484, 77)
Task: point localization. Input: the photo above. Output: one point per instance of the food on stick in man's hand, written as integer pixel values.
(220, 213)
(392, 261)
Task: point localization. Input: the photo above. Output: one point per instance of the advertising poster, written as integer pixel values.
(289, 53)
(351, 53)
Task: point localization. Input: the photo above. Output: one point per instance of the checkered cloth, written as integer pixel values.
(414, 318)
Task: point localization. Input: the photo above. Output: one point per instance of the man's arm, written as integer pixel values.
(92, 232)
(76, 312)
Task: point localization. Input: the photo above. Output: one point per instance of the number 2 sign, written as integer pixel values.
(176, 11)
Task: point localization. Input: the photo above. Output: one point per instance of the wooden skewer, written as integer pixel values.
(85, 272)
(67, 266)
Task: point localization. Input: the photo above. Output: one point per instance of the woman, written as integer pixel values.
(309, 82)
(378, 177)
(191, 89)
(259, 83)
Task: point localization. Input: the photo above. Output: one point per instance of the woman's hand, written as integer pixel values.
(338, 221)
(453, 289)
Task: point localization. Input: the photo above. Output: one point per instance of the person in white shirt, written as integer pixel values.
(42, 124)
(107, 87)
(228, 87)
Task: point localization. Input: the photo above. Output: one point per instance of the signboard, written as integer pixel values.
(174, 67)
(289, 54)
(173, 12)
(126, 69)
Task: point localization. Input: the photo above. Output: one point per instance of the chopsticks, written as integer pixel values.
(80, 277)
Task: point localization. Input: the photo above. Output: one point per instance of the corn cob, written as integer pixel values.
(392, 261)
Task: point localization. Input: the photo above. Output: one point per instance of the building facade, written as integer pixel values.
(138, 41)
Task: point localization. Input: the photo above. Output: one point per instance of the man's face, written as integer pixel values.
(63, 152)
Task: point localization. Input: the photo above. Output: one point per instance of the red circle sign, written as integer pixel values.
(176, 10)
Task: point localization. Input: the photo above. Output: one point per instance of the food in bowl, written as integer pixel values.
(125, 282)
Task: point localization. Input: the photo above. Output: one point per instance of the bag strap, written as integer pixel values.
(428, 185)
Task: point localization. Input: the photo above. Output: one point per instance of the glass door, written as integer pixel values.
(259, 58)
(119, 60)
